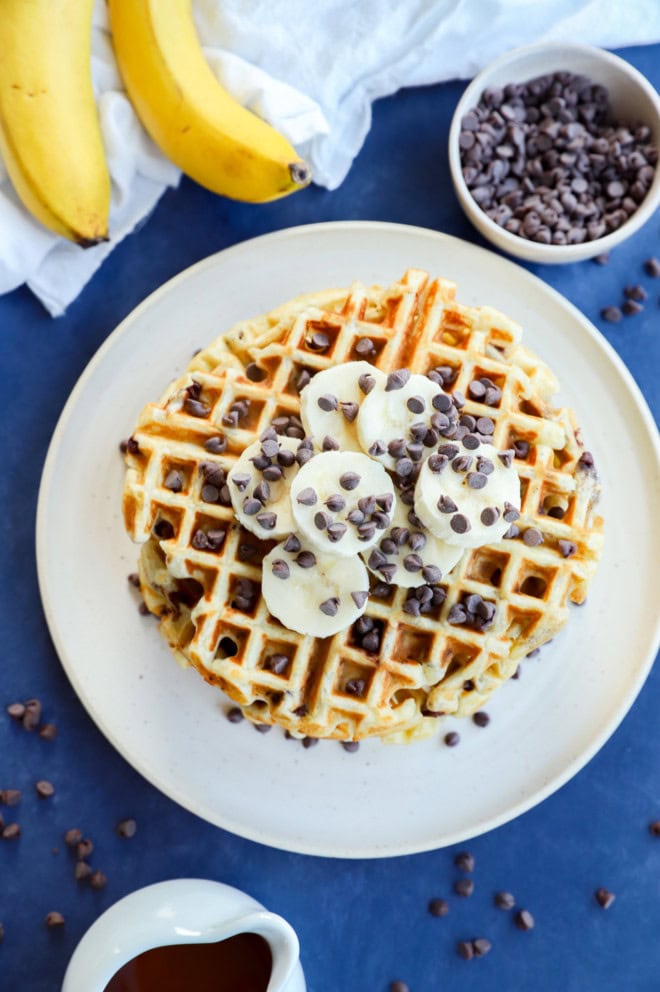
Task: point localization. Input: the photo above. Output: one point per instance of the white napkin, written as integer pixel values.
(311, 69)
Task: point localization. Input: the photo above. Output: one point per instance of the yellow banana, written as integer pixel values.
(50, 137)
(190, 116)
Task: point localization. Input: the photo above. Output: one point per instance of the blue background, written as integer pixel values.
(361, 923)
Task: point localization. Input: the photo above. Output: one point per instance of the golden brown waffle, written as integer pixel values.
(415, 654)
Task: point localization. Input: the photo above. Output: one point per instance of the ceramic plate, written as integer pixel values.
(382, 800)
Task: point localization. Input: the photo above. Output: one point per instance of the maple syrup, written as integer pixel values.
(241, 963)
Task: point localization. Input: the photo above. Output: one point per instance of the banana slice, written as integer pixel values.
(407, 554)
(402, 420)
(467, 494)
(313, 593)
(259, 484)
(330, 403)
(341, 502)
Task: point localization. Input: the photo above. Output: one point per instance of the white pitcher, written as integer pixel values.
(180, 911)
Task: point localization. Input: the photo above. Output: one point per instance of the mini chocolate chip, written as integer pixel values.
(437, 463)
(652, 267)
(377, 449)
(98, 880)
(54, 919)
(350, 746)
(364, 346)
(336, 503)
(481, 946)
(359, 598)
(196, 408)
(44, 788)
(506, 457)
(446, 504)
(452, 738)
(604, 898)
(397, 380)
(504, 900)
(481, 719)
(17, 710)
(349, 411)
(10, 797)
(280, 569)
(255, 373)
(349, 481)
(476, 480)
(489, 516)
(82, 871)
(328, 402)
(416, 404)
(329, 444)
(262, 728)
(631, 307)
(510, 513)
(48, 732)
(465, 861)
(465, 949)
(307, 496)
(654, 828)
(464, 887)
(292, 544)
(267, 520)
(262, 492)
(127, 828)
(524, 920)
(336, 531)
(366, 382)
(611, 314)
(84, 848)
(235, 714)
(567, 548)
(438, 907)
(173, 481)
(321, 520)
(318, 341)
(72, 837)
(532, 536)
(330, 606)
(485, 426)
(306, 559)
(251, 507)
(459, 523)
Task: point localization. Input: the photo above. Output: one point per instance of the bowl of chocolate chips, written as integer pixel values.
(553, 151)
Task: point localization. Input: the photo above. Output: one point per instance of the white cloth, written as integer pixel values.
(311, 69)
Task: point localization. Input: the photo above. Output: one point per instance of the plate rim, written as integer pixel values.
(484, 825)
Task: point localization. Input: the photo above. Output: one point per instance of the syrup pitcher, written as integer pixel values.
(182, 934)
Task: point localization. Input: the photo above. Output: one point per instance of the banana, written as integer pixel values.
(408, 555)
(190, 116)
(341, 502)
(467, 494)
(402, 419)
(330, 403)
(50, 138)
(313, 593)
(259, 484)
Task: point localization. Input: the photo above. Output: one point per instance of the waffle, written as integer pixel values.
(415, 654)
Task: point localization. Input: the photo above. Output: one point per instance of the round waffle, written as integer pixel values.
(416, 653)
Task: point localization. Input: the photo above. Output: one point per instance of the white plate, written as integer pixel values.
(382, 800)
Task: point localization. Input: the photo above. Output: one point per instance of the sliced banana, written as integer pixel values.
(259, 484)
(330, 403)
(313, 593)
(341, 502)
(402, 420)
(408, 555)
(468, 496)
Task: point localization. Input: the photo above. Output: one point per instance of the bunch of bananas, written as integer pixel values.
(50, 138)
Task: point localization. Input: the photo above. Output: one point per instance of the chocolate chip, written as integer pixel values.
(127, 828)
(307, 496)
(355, 687)
(452, 739)
(82, 871)
(11, 831)
(397, 380)
(32, 715)
(364, 346)
(637, 293)
(398, 986)
(336, 531)
(73, 837)
(481, 719)
(328, 402)
(54, 919)
(306, 559)
(438, 907)
(652, 267)
(437, 463)
(465, 950)
(631, 307)
(17, 710)
(235, 714)
(489, 515)
(359, 598)
(481, 946)
(485, 426)
(48, 732)
(318, 341)
(532, 536)
(459, 523)
(267, 520)
(566, 548)
(654, 828)
(510, 513)
(366, 382)
(330, 606)
(280, 569)
(611, 314)
(349, 411)
(446, 504)
(196, 408)
(349, 481)
(329, 444)
(604, 898)
(476, 480)
(262, 728)
(465, 861)
(524, 920)
(98, 880)
(336, 503)
(10, 797)
(504, 900)
(44, 788)
(255, 373)
(303, 379)
(84, 848)
(350, 746)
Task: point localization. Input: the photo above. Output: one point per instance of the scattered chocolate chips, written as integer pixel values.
(524, 920)
(604, 898)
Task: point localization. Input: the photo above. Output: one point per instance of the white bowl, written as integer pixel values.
(632, 97)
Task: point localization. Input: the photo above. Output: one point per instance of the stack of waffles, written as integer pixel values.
(415, 653)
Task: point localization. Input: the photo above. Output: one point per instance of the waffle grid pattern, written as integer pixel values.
(333, 687)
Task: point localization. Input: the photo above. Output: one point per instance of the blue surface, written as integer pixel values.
(361, 924)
